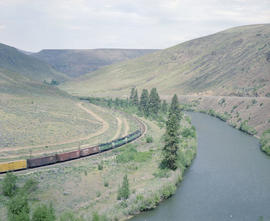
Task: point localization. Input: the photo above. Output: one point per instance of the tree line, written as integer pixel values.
(149, 103)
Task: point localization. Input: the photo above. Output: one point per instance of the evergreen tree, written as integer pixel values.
(131, 97)
(164, 106)
(144, 102)
(174, 108)
(136, 99)
(170, 149)
(154, 101)
(123, 191)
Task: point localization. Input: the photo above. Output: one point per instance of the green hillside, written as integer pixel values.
(232, 62)
(77, 62)
(15, 61)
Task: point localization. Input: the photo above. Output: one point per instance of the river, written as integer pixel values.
(228, 180)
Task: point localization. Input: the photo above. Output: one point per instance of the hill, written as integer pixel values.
(228, 72)
(78, 62)
(13, 60)
(231, 62)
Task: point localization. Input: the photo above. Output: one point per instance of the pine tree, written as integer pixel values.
(131, 97)
(170, 149)
(164, 106)
(154, 101)
(144, 102)
(136, 99)
(174, 108)
(123, 191)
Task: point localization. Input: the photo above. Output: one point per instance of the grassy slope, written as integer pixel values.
(79, 185)
(77, 62)
(15, 61)
(34, 114)
(235, 61)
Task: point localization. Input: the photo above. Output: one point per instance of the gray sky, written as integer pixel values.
(38, 24)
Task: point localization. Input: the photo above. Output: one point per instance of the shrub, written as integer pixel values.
(9, 187)
(98, 194)
(265, 141)
(188, 132)
(106, 183)
(30, 186)
(44, 213)
(149, 139)
(97, 217)
(247, 129)
(100, 166)
(18, 208)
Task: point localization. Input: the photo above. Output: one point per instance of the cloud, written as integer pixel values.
(2, 27)
(38, 24)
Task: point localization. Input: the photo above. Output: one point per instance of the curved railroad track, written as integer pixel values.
(78, 154)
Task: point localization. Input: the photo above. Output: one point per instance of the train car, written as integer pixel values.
(13, 166)
(119, 142)
(41, 161)
(89, 151)
(105, 146)
(61, 157)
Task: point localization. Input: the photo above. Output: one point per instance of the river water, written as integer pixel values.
(228, 180)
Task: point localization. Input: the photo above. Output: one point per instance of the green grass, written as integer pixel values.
(130, 154)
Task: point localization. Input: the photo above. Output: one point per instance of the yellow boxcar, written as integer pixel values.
(15, 165)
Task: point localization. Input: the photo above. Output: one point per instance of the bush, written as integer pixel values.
(18, 208)
(265, 141)
(100, 166)
(97, 217)
(188, 132)
(29, 187)
(247, 129)
(106, 183)
(9, 187)
(44, 213)
(149, 139)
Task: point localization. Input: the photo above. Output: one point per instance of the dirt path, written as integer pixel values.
(126, 127)
(119, 127)
(105, 126)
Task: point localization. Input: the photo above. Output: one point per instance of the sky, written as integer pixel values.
(33, 25)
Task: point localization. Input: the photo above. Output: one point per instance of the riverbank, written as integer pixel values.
(229, 180)
(249, 114)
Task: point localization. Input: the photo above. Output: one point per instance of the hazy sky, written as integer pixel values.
(37, 24)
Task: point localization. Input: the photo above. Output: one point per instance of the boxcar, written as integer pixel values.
(105, 146)
(12, 166)
(41, 161)
(68, 156)
(88, 151)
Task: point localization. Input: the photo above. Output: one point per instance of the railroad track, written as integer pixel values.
(77, 154)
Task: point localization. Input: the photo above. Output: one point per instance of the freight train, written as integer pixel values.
(62, 157)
